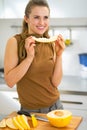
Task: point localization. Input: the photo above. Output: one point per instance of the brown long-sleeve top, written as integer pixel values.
(35, 89)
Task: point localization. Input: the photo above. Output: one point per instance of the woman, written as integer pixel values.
(35, 67)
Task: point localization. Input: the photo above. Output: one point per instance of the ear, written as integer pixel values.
(26, 19)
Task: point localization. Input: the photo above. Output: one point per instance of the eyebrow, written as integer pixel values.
(43, 16)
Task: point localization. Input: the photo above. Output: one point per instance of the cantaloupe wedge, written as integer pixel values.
(24, 121)
(3, 123)
(45, 40)
(17, 124)
(21, 122)
(10, 124)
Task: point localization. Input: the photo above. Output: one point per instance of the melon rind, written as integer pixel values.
(59, 121)
(45, 40)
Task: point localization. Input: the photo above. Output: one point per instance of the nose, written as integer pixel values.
(41, 21)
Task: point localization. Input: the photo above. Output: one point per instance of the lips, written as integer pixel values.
(41, 28)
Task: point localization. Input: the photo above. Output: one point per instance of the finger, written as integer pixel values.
(60, 37)
(29, 41)
(32, 39)
(32, 45)
(61, 41)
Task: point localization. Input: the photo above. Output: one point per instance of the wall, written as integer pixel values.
(68, 8)
(6, 31)
(71, 64)
(59, 8)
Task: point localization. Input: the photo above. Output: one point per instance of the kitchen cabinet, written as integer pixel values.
(73, 92)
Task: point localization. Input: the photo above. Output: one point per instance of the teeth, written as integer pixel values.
(41, 27)
(46, 40)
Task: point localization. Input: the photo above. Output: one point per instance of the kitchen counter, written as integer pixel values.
(83, 114)
(73, 94)
(82, 125)
(73, 84)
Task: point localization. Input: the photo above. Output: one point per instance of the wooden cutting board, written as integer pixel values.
(42, 125)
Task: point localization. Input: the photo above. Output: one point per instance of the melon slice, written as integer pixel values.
(34, 121)
(24, 121)
(10, 124)
(3, 123)
(17, 124)
(45, 40)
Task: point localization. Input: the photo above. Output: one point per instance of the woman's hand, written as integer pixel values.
(29, 46)
(59, 45)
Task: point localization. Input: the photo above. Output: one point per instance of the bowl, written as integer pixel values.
(59, 118)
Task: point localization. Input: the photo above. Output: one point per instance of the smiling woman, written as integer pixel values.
(35, 68)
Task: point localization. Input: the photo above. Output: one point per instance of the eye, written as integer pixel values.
(36, 17)
(46, 17)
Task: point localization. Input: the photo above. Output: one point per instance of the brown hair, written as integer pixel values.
(30, 5)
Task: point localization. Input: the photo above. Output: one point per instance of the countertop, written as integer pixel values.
(83, 114)
(74, 84)
(83, 124)
(73, 94)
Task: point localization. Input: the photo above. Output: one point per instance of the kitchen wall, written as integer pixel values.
(6, 31)
(75, 17)
(59, 8)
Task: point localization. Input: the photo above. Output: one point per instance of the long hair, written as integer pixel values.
(30, 5)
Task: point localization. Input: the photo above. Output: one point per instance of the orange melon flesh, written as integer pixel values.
(59, 118)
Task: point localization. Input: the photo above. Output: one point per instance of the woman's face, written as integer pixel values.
(38, 21)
